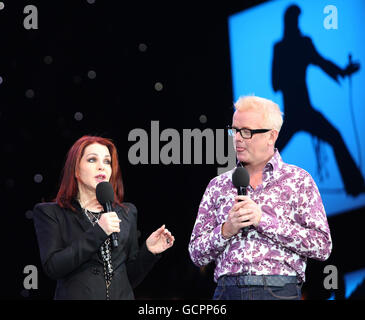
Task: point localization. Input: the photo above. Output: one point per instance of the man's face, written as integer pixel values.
(259, 148)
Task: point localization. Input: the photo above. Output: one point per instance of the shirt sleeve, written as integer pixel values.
(206, 241)
(308, 233)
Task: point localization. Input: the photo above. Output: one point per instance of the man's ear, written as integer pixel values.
(273, 137)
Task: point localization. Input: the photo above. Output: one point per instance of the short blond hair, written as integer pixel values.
(273, 117)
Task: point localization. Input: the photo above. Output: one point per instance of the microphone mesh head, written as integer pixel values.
(240, 177)
(104, 192)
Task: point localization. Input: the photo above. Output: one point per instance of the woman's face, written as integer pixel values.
(94, 167)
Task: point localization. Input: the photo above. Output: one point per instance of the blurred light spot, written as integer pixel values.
(2, 5)
(158, 86)
(48, 59)
(1, 80)
(142, 47)
(91, 74)
(29, 94)
(90, 1)
(29, 214)
(38, 178)
(203, 118)
(78, 116)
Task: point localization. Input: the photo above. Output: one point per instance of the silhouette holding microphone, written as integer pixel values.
(291, 58)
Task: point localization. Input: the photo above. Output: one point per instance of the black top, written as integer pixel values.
(70, 253)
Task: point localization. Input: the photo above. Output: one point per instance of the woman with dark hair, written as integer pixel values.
(73, 232)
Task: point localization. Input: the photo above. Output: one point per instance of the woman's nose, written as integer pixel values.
(101, 166)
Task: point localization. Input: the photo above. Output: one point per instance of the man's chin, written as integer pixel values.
(240, 158)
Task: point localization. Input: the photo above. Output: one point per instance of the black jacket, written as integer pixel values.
(70, 253)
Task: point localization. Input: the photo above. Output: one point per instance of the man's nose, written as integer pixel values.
(238, 137)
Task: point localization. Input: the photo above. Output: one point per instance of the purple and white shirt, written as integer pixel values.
(293, 225)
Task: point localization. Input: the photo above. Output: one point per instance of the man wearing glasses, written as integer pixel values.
(260, 242)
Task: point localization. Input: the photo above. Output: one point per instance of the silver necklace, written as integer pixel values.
(92, 216)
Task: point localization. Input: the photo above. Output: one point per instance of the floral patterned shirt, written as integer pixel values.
(293, 225)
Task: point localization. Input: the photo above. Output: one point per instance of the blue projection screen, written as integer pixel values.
(299, 66)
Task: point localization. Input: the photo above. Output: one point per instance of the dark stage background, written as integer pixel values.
(106, 68)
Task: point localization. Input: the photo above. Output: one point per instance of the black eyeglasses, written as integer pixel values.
(244, 132)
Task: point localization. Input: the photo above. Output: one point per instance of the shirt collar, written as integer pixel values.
(275, 163)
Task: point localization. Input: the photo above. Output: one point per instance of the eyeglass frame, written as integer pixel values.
(252, 131)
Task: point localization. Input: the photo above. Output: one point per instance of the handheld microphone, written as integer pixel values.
(241, 180)
(105, 196)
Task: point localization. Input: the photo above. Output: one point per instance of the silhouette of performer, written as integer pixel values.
(292, 55)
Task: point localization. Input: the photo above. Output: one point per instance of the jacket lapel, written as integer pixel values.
(80, 217)
(124, 226)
